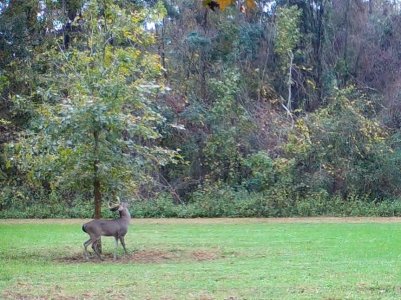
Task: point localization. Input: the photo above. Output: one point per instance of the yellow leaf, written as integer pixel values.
(311, 83)
(250, 4)
(224, 3)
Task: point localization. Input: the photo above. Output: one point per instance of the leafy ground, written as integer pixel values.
(319, 258)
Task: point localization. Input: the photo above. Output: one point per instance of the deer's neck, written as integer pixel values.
(125, 216)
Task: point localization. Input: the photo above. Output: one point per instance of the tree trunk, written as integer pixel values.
(289, 82)
(97, 194)
(319, 53)
(345, 56)
(161, 46)
(96, 183)
(203, 62)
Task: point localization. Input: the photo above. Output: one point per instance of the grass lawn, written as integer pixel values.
(206, 259)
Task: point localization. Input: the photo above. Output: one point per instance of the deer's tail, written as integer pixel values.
(84, 228)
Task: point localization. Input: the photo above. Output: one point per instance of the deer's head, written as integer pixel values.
(115, 204)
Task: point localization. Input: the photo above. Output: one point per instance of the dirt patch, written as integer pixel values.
(152, 256)
(148, 257)
(201, 255)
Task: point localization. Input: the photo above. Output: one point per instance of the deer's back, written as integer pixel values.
(106, 228)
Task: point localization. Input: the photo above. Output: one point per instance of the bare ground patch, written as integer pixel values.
(149, 256)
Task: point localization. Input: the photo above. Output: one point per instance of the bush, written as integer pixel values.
(217, 201)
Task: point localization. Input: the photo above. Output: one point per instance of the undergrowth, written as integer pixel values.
(220, 203)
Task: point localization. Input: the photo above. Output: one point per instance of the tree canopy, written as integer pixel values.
(199, 102)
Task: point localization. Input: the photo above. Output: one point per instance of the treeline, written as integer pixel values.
(283, 109)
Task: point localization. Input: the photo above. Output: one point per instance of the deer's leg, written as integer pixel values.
(86, 244)
(95, 248)
(115, 249)
(123, 243)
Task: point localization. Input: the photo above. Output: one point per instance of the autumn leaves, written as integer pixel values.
(223, 4)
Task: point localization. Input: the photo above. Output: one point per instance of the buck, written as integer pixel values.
(117, 228)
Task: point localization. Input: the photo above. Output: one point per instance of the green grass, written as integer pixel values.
(251, 259)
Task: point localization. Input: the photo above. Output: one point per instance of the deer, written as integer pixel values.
(117, 228)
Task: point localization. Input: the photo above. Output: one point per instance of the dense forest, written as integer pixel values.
(200, 108)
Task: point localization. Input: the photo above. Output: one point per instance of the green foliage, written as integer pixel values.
(249, 41)
(288, 33)
(221, 201)
(230, 126)
(262, 171)
(93, 97)
(98, 116)
(213, 201)
(341, 148)
(196, 41)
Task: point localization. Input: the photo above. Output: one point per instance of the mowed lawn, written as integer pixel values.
(206, 259)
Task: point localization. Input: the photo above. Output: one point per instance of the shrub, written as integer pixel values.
(219, 201)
